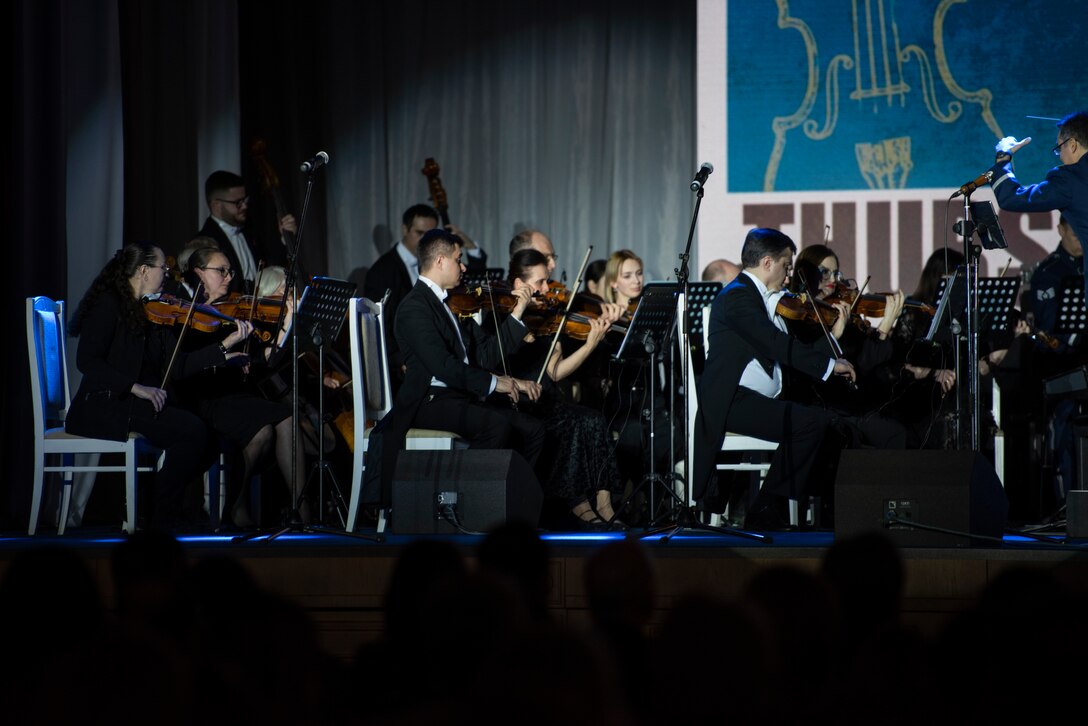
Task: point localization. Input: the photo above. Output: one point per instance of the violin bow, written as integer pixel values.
(181, 335)
(256, 297)
(498, 332)
(861, 291)
(495, 319)
(835, 347)
(566, 314)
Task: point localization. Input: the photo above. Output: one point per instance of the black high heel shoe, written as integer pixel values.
(615, 524)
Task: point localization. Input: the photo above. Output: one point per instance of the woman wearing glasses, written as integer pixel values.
(225, 398)
(816, 272)
(123, 359)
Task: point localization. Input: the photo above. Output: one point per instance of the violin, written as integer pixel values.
(169, 310)
(262, 310)
(577, 325)
(466, 302)
(872, 304)
(802, 307)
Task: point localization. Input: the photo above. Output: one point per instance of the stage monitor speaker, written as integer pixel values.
(952, 490)
(485, 487)
(1076, 514)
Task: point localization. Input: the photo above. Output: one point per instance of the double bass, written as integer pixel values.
(441, 204)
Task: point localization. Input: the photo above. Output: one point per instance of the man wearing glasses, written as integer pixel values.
(537, 240)
(1065, 187)
(228, 206)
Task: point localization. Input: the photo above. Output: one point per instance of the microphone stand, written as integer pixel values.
(686, 518)
(295, 523)
(971, 254)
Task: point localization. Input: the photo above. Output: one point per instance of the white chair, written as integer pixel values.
(999, 434)
(372, 396)
(47, 346)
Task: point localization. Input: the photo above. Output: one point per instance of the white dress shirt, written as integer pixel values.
(754, 377)
(238, 242)
(411, 262)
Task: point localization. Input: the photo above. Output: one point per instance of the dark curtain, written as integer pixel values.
(34, 208)
(575, 117)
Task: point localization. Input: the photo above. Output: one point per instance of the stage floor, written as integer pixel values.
(341, 581)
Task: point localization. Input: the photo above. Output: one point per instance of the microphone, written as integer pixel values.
(320, 159)
(973, 185)
(701, 175)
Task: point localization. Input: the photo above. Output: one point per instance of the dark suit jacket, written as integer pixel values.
(431, 348)
(389, 273)
(1065, 188)
(111, 358)
(273, 254)
(739, 331)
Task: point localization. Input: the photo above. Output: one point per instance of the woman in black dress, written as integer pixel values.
(123, 359)
(225, 398)
(583, 470)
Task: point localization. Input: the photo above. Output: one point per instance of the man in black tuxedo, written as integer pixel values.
(447, 371)
(228, 206)
(742, 379)
(397, 271)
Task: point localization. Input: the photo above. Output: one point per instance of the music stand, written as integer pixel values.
(996, 296)
(700, 295)
(1072, 316)
(651, 322)
(987, 226)
(321, 312)
(647, 334)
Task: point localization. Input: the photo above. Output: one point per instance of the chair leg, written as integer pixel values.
(356, 488)
(65, 494)
(36, 500)
(129, 526)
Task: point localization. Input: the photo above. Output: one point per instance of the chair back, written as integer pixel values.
(46, 341)
(369, 360)
(378, 383)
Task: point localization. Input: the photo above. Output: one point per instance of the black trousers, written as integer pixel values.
(484, 426)
(184, 438)
(799, 431)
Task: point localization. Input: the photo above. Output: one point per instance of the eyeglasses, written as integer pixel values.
(827, 274)
(166, 268)
(1058, 149)
(236, 202)
(553, 257)
(223, 271)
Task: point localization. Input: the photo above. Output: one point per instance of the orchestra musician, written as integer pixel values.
(919, 375)
(585, 473)
(623, 277)
(448, 364)
(123, 359)
(537, 240)
(742, 379)
(722, 271)
(397, 272)
(225, 397)
(228, 208)
(595, 278)
(817, 274)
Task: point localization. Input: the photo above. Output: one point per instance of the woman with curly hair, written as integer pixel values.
(123, 359)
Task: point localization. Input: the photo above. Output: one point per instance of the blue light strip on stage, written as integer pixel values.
(594, 537)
